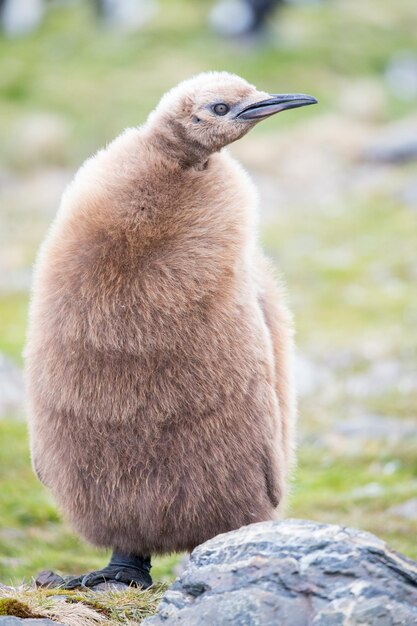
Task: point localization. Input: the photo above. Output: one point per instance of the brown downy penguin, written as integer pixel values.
(158, 358)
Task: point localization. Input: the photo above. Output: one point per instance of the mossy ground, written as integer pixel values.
(97, 83)
(75, 608)
(16, 608)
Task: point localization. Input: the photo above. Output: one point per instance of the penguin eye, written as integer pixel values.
(221, 109)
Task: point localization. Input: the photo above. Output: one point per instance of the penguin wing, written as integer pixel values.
(278, 320)
(37, 471)
(271, 473)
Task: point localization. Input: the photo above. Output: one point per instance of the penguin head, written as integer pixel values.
(214, 109)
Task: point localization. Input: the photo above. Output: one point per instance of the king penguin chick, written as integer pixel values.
(158, 357)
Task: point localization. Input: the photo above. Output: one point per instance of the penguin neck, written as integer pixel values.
(172, 142)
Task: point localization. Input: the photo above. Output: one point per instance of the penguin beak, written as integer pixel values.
(275, 104)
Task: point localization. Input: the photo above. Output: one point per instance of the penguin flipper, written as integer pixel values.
(271, 473)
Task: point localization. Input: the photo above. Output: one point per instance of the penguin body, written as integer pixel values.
(158, 360)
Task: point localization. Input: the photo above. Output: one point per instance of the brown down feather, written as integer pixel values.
(158, 358)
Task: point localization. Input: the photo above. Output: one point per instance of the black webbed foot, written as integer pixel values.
(127, 569)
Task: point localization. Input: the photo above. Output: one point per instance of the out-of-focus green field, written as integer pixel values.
(350, 265)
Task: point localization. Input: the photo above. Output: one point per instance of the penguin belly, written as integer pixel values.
(182, 448)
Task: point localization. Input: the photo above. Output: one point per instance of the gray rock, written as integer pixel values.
(16, 280)
(371, 426)
(400, 151)
(19, 18)
(406, 510)
(394, 144)
(401, 75)
(18, 621)
(49, 580)
(11, 388)
(381, 376)
(128, 15)
(309, 376)
(292, 573)
(408, 194)
(371, 490)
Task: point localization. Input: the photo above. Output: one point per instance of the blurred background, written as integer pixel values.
(338, 199)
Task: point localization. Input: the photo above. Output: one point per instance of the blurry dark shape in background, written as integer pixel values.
(126, 14)
(401, 75)
(20, 17)
(234, 18)
(242, 18)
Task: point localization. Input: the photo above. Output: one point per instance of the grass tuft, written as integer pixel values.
(15, 608)
(79, 608)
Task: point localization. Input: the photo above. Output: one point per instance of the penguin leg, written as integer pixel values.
(123, 568)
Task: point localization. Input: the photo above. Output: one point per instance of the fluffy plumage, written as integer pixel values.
(161, 405)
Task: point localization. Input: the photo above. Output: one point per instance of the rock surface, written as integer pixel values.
(406, 510)
(11, 388)
(293, 573)
(47, 579)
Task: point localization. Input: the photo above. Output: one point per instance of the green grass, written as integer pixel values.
(13, 318)
(368, 293)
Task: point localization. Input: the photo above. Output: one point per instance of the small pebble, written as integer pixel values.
(49, 580)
